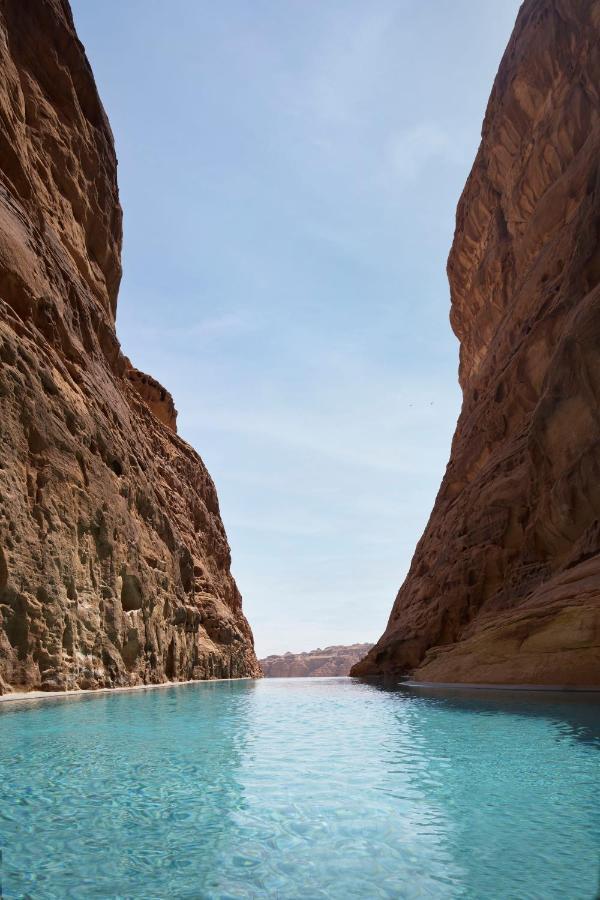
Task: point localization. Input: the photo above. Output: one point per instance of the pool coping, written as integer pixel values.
(25, 696)
(547, 688)
(29, 696)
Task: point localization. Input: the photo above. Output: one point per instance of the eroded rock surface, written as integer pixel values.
(504, 585)
(332, 661)
(114, 564)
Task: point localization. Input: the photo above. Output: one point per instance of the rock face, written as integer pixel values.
(336, 661)
(114, 564)
(504, 585)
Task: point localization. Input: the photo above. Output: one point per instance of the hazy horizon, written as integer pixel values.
(289, 175)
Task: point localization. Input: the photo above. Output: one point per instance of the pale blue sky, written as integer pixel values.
(289, 172)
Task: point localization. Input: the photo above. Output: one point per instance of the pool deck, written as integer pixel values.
(547, 688)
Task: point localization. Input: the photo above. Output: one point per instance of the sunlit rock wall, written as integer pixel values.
(504, 585)
(114, 564)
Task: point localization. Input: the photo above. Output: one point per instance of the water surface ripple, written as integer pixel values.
(301, 788)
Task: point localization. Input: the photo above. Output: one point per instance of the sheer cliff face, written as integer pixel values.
(114, 564)
(505, 583)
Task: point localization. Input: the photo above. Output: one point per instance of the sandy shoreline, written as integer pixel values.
(24, 696)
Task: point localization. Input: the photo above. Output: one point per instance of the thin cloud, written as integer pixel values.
(345, 69)
(224, 326)
(390, 437)
(411, 151)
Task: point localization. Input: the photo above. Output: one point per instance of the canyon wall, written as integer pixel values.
(333, 661)
(504, 585)
(114, 564)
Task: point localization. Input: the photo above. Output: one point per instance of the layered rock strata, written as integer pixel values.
(114, 564)
(333, 661)
(504, 585)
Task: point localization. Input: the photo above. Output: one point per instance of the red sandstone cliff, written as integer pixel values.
(504, 585)
(114, 564)
(332, 661)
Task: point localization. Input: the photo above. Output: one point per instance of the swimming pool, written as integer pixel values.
(312, 788)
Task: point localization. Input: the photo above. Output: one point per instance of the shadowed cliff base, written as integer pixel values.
(504, 586)
(114, 563)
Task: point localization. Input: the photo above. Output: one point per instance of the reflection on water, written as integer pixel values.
(576, 711)
(301, 788)
(520, 778)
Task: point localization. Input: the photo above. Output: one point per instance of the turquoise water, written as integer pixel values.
(321, 788)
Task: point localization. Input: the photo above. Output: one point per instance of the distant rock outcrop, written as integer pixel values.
(314, 663)
(114, 564)
(504, 585)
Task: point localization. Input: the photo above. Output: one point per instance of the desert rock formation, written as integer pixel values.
(332, 661)
(504, 585)
(114, 564)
